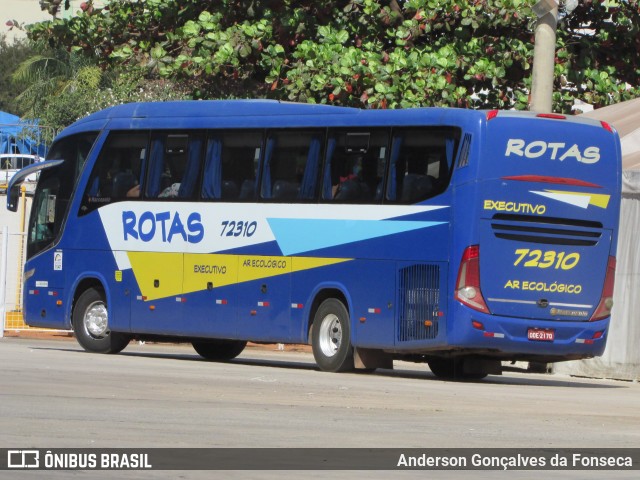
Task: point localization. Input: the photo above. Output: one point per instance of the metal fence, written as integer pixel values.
(11, 262)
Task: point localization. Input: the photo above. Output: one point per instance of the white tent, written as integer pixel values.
(621, 359)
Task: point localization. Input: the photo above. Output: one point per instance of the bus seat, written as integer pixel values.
(247, 190)
(122, 183)
(416, 187)
(284, 190)
(166, 181)
(379, 191)
(349, 191)
(365, 192)
(230, 190)
(436, 184)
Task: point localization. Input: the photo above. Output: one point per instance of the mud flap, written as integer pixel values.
(367, 358)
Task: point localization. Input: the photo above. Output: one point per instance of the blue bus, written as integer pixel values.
(453, 237)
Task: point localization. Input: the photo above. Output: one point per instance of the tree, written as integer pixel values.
(11, 55)
(52, 74)
(59, 87)
(365, 53)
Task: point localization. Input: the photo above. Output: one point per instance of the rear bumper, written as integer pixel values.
(508, 335)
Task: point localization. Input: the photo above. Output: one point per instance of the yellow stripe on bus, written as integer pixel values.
(158, 274)
(596, 199)
(161, 275)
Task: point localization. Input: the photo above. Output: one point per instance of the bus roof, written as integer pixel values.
(245, 109)
(251, 113)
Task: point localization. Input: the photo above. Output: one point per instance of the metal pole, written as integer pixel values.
(23, 216)
(544, 54)
(3, 277)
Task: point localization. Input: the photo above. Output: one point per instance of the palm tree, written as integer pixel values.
(54, 74)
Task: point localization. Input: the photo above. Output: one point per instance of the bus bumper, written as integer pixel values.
(528, 338)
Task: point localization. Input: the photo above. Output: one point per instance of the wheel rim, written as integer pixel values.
(96, 319)
(330, 337)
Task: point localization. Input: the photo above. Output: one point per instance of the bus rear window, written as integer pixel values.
(421, 163)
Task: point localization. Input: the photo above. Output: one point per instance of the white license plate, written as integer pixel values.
(541, 334)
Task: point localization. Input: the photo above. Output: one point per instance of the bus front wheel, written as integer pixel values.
(219, 350)
(331, 337)
(91, 324)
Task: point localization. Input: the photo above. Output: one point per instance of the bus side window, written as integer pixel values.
(167, 160)
(421, 163)
(292, 166)
(191, 173)
(231, 165)
(355, 166)
(174, 165)
(117, 172)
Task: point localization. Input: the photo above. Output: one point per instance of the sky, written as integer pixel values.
(25, 12)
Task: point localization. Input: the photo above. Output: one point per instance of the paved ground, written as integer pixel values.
(54, 395)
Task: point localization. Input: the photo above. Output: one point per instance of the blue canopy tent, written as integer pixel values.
(17, 136)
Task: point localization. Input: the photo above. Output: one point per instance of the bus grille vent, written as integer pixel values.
(546, 230)
(419, 301)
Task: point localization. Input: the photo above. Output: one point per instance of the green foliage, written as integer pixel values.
(365, 53)
(54, 76)
(11, 55)
(62, 87)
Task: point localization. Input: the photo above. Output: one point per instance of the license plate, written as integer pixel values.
(541, 334)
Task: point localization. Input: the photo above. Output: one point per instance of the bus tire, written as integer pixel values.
(90, 321)
(452, 369)
(219, 350)
(331, 337)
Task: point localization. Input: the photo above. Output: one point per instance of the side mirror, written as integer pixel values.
(13, 190)
(13, 196)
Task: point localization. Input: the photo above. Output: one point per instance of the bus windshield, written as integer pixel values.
(54, 191)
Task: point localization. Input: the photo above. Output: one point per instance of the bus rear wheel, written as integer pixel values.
(219, 350)
(91, 324)
(452, 369)
(331, 337)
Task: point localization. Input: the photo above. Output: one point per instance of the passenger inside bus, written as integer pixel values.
(121, 177)
(355, 178)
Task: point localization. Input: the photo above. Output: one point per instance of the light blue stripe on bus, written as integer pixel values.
(303, 235)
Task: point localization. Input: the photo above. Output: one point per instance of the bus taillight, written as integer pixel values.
(468, 283)
(606, 126)
(553, 116)
(606, 300)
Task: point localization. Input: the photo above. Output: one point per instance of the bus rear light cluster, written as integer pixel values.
(589, 341)
(480, 326)
(468, 283)
(606, 300)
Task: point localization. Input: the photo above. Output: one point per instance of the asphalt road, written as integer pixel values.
(54, 395)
